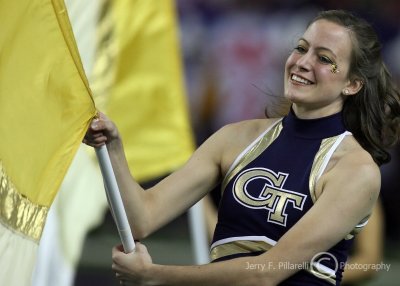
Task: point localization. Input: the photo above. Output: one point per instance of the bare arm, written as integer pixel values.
(210, 216)
(368, 247)
(149, 210)
(349, 193)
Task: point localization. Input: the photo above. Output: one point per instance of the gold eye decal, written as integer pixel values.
(334, 68)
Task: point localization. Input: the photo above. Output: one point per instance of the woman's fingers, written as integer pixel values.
(129, 266)
(95, 139)
(141, 247)
(99, 131)
(104, 125)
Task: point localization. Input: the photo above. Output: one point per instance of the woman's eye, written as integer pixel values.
(325, 60)
(300, 49)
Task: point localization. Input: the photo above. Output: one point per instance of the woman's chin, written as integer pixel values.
(291, 97)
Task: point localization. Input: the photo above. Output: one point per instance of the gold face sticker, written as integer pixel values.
(334, 68)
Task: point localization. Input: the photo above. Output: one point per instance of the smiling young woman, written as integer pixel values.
(314, 82)
(295, 190)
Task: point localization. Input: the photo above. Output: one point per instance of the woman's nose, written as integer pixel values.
(304, 62)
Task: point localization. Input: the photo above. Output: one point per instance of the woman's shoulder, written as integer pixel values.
(350, 160)
(248, 128)
(354, 177)
(350, 149)
(236, 137)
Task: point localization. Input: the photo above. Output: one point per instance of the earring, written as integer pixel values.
(346, 91)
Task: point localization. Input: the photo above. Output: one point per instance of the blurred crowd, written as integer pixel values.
(234, 53)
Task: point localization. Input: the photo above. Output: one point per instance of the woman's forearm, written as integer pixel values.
(132, 193)
(239, 272)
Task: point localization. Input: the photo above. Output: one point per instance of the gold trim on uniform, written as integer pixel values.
(358, 228)
(236, 247)
(324, 275)
(319, 159)
(17, 212)
(254, 152)
(247, 246)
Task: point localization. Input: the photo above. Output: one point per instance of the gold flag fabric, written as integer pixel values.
(147, 96)
(157, 135)
(45, 108)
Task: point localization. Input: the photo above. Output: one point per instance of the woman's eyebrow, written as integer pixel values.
(319, 47)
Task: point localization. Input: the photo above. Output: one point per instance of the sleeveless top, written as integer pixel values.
(271, 185)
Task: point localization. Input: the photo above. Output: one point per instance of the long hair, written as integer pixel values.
(373, 114)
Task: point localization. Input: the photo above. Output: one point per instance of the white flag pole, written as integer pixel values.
(198, 233)
(115, 200)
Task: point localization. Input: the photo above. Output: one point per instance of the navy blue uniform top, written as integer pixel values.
(270, 186)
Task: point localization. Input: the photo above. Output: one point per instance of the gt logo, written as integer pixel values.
(272, 196)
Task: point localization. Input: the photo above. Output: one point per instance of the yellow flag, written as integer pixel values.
(147, 96)
(45, 108)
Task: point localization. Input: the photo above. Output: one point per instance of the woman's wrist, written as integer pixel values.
(115, 144)
(151, 274)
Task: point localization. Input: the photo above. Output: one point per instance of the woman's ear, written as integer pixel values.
(353, 87)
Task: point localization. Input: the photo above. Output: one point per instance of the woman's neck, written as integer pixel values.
(305, 112)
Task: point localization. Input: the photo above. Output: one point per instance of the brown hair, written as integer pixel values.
(373, 114)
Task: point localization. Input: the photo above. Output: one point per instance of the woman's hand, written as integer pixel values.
(131, 268)
(101, 131)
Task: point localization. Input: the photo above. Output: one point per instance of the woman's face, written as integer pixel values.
(310, 82)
